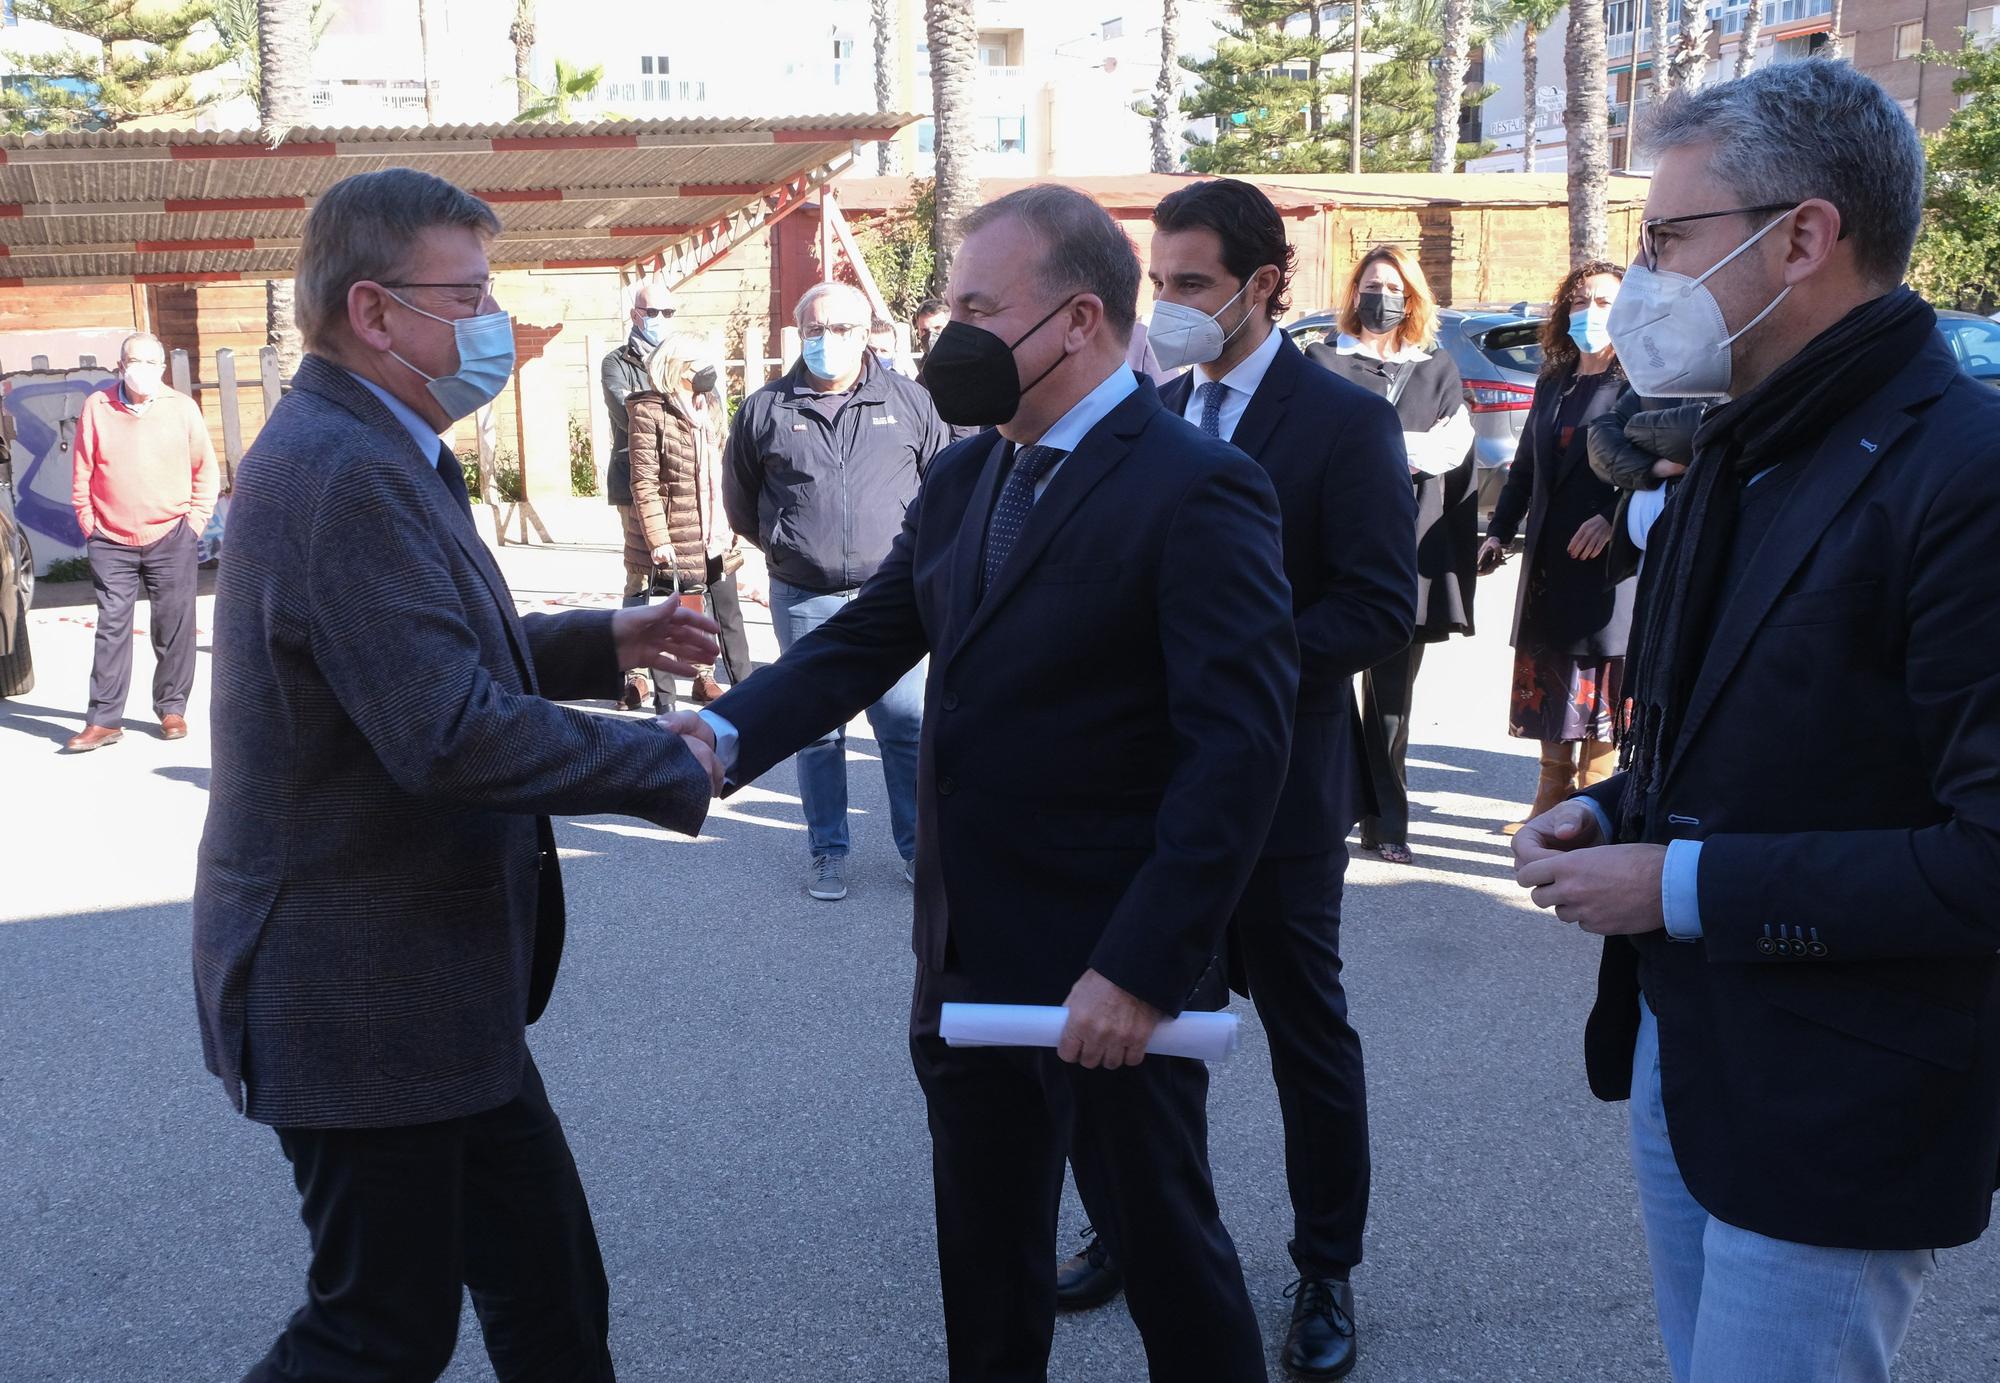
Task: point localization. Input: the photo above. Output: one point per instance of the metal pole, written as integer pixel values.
(1354, 100)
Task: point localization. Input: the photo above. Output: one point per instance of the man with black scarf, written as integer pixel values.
(1797, 872)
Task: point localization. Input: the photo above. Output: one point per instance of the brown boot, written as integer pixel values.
(706, 689)
(1557, 781)
(1600, 761)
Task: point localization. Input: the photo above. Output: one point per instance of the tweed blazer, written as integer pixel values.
(378, 912)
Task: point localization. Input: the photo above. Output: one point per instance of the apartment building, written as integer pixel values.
(1881, 37)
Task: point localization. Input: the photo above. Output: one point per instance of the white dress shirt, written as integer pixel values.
(1238, 385)
(428, 442)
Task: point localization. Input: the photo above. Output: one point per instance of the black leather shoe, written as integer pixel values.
(1089, 1279)
(1322, 1343)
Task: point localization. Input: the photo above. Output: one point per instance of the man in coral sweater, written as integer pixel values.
(145, 487)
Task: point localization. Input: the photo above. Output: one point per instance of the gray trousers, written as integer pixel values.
(166, 570)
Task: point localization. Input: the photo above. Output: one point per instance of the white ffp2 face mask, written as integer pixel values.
(1671, 337)
(1182, 335)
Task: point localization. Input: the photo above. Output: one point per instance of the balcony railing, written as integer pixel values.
(1620, 18)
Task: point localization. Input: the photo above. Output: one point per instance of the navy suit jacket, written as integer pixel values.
(1830, 1049)
(1334, 453)
(378, 913)
(1105, 732)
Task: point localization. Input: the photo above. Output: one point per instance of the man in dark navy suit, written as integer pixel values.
(1221, 272)
(1107, 723)
(1797, 872)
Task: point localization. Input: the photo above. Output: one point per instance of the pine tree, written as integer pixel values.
(133, 59)
(1264, 113)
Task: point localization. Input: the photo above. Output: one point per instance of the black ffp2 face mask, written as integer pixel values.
(704, 380)
(972, 376)
(1381, 312)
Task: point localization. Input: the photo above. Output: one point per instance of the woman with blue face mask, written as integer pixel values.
(1571, 620)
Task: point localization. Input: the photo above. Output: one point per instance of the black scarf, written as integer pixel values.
(1688, 558)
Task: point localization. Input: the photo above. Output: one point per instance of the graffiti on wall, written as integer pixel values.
(44, 405)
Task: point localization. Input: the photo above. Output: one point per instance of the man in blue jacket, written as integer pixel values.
(822, 464)
(1796, 873)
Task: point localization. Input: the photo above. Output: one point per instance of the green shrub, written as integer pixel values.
(582, 463)
(506, 476)
(68, 569)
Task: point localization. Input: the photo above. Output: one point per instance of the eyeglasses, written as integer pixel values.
(841, 329)
(464, 294)
(651, 312)
(1649, 249)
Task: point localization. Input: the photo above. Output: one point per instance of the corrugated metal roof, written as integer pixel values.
(182, 205)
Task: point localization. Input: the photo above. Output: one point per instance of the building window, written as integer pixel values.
(660, 64)
(645, 67)
(1980, 22)
(1113, 28)
(1909, 110)
(926, 136)
(1909, 39)
(646, 90)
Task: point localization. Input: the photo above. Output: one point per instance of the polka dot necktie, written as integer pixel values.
(1211, 408)
(1010, 515)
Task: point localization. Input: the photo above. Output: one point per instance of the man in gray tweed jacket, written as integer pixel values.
(378, 914)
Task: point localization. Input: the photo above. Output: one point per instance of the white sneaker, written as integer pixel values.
(827, 880)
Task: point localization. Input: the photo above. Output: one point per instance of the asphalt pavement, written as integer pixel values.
(729, 1059)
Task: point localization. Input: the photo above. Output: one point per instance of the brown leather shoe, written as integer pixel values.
(706, 689)
(95, 737)
(173, 727)
(634, 696)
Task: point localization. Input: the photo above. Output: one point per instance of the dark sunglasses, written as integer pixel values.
(654, 311)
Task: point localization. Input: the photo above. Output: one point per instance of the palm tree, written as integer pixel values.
(953, 34)
(1658, 19)
(284, 71)
(424, 49)
(882, 15)
(1691, 52)
(1833, 48)
(521, 33)
(1588, 123)
(1166, 93)
(1746, 42)
(1451, 66)
(571, 84)
(236, 24)
(1533, 16)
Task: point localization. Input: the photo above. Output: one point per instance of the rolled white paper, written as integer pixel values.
(1202, 1036)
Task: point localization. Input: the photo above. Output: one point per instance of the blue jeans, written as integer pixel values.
(1738, 1307)
(898, 721)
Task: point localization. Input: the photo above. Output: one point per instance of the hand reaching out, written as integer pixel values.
(700, 742)
(1592, 537)
(666, 638)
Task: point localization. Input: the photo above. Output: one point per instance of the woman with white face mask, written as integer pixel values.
(1571, 620)
(1388, 345)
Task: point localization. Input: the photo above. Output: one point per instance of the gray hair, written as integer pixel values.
(1799, 130)
(362, 228)
(850, 298)
(125, 346)
(1084, 250)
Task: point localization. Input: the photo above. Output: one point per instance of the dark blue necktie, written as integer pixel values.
(1017, 500)
(1211, 408)
(453, 475)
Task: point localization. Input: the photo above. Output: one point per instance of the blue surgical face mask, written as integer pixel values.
(652, 330)
(833, 357)
(1590, 328)
(485, 361)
